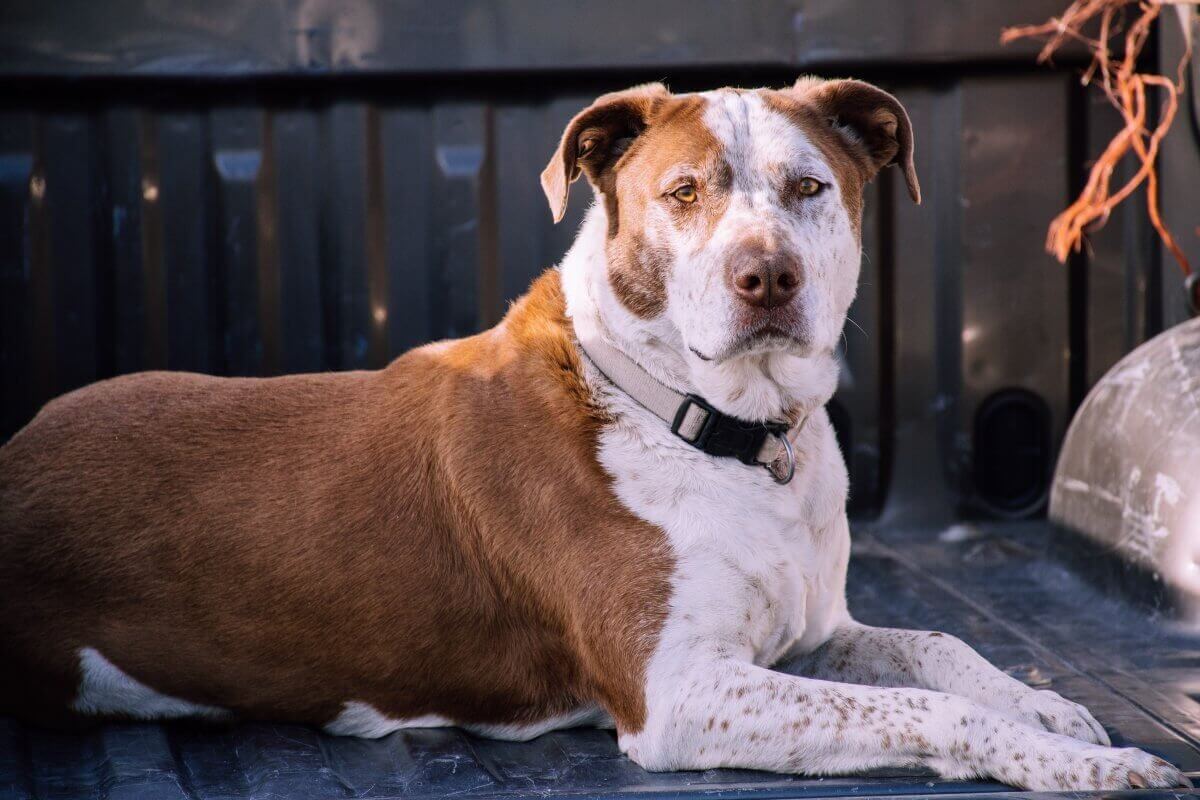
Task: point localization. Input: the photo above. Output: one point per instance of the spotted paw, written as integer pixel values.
(1093, 768)
(1056, 714)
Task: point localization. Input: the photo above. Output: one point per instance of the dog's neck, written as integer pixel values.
(756, 387)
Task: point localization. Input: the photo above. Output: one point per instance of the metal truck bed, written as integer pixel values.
(997, 587)
(250, 188)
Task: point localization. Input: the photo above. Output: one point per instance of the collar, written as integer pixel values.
(693, 419)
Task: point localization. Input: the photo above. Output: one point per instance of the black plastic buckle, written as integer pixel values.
(723, 435)
(710, 422)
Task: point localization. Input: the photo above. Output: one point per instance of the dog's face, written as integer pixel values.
(734, 215)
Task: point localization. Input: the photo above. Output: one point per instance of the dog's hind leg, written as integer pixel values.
(727, 713)
(929, 660)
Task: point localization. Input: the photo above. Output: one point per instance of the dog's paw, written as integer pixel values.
(1094, 768)
(1056, 714)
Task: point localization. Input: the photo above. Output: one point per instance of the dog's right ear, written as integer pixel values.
(596, 138)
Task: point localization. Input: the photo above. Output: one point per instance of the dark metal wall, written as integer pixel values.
(252, 189)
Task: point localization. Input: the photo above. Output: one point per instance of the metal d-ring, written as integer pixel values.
(785, 478)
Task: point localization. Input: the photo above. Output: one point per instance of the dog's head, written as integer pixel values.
(733, 215)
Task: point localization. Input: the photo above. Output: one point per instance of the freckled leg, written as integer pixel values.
(889, 657)
(733, 714)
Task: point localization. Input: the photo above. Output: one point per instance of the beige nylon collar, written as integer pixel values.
(687, 415)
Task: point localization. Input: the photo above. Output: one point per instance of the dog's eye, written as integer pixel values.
(686, 194)
(810, 186)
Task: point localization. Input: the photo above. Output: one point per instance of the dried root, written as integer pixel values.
(1126, 88)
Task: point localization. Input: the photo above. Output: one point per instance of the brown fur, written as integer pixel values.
(625, 142)
(675, 135)
(433, 538)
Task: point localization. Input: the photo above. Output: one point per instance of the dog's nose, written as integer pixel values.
(766, 280)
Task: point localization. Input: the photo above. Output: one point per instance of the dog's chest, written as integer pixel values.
(759, 568)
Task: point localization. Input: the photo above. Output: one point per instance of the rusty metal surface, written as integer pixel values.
(1129, 472)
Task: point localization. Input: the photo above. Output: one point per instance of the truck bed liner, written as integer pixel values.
(1026, 613)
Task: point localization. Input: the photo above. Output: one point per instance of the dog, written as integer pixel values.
(619, 507)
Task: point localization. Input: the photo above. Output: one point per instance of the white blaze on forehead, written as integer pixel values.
(759, 141)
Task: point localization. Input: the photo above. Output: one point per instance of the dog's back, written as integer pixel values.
(181, 545)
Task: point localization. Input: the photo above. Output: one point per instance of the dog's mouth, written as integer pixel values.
(763, 338)
(771, 339)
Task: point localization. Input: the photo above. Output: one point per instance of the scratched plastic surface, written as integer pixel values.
(998, 591)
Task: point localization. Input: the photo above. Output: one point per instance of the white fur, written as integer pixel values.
(585, 716)
(362, 719)
(105, 689)
(760, 569)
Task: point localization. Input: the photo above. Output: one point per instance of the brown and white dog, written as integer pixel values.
(489, 533)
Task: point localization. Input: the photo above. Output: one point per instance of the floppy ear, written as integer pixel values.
(868, 118)
(596, 138)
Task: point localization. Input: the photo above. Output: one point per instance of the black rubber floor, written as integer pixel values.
(998, 591)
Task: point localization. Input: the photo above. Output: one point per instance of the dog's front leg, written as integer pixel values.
(858, 653)
(729, 713)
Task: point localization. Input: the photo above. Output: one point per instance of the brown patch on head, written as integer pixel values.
(676, 149)
(636, 147)
(637, 272)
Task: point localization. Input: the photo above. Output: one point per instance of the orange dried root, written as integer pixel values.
(1126, 89)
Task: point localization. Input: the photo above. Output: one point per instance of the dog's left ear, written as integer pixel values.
(867, 117)
(595, 140)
